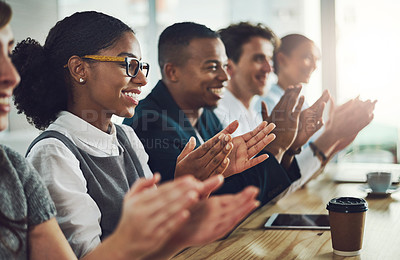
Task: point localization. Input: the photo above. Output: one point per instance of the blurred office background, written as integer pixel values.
(358, 40)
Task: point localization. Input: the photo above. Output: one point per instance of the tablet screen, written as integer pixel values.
(298, 221)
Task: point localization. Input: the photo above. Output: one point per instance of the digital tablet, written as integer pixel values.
(298, 221)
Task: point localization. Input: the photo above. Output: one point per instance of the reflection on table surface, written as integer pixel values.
(251, 241)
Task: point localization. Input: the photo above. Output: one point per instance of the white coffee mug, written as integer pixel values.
(379, 181)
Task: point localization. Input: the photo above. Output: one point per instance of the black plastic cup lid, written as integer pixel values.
(347, 205)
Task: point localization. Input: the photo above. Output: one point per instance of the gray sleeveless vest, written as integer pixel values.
(108, 178)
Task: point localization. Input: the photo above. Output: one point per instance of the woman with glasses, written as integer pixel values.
(89, 69)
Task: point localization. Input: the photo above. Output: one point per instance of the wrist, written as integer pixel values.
(179, 175)
(326, 142)
(276, 151)
(179, 171)
(318, 153)
(292, 151)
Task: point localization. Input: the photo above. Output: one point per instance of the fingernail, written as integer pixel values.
(192, 195)
(221, 136)
(228, 146)
(226, 138)
(185, 214)
(225, 160)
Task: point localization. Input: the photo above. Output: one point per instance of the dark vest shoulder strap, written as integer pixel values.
(123, 138)
(108, 178)
(121, 135)
(54, 134)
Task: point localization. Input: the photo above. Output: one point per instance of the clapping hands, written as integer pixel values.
(344, 124)
(178, 214)
(246, 146)
(209, 159)
(310, 121)
(285, 116)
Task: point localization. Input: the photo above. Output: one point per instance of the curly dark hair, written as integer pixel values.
(236, 35)
(175, 38)
(45, 88)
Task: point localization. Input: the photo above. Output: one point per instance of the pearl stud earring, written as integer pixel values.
(81, 80)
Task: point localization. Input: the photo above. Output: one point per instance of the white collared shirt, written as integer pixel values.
(230, 108)
(308, 163)
(77, 213)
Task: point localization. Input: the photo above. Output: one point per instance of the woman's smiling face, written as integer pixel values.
(108, 89)
(301, 63)
(9, 76)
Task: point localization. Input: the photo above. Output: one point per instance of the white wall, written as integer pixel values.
(31, 18)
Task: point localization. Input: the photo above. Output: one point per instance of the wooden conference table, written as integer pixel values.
(251, 241)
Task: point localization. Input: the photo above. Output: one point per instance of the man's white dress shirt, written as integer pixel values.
(230, 108)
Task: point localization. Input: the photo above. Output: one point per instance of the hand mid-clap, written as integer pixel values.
(177, 215)
(310, 121)
(246, 146)
(211, 158)
(224, 155)
(344, 123)
(285, 116)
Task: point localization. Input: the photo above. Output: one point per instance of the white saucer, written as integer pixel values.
(391, 189)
